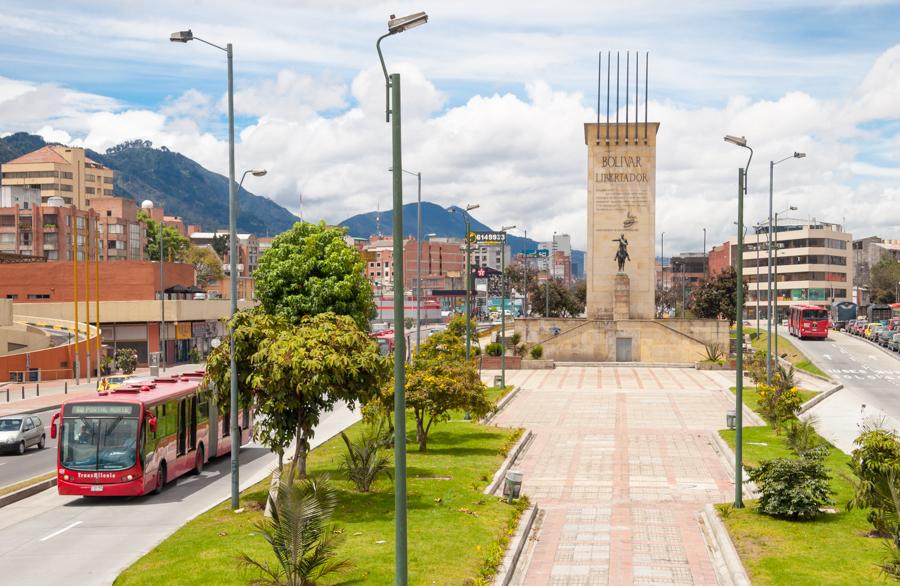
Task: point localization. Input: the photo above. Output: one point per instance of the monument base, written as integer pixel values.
(627, 340)
(622, 297)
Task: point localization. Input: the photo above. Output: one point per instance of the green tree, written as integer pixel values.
(175, 246)
(883, 279)
(220, 244)
(516, 276)
(665, 299)
(562, 301)
(876, 463)
(579, 291)
(716, 297)
(207, 265)
(310, 269)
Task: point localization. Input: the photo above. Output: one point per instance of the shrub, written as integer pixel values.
(876, 463)
(777, 405)
(802, 436)
(755, 366)
(494, 349)
(537, 351)
(521, 350)
(793, 488)
(126, 360)
(300, 535)
(714, 352)
(516, 338)
(364, 461)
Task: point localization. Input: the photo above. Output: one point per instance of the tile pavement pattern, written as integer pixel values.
(621, 462)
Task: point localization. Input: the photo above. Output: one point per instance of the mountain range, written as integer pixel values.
(439, 221)
(185, 188)
(181, 185)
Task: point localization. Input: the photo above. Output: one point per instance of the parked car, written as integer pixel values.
(884, 336)
(858, 327)
(894, 344)
(18, 432)
(872, 331)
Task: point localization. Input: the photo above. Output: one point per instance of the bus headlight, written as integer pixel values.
(66, 477)
(128, 478)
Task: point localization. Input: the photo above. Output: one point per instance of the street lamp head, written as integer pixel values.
(472, 206)
(799, 155)
(505, 228)
(792, 208)
(181, 36)
(258, 172)
(398, 25)
(738, 140)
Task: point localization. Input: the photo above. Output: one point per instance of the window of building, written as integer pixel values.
(89, 190)
(7, 220)
(38, 296)
(51, 238)
(107, 192)
(65, 174)
(90, 177)
(52, 255)
(12, 296)
(119, 229)
(79, 222)
(109, 181)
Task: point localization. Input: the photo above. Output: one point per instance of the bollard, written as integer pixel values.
(7, 395)
(66, 387)
(37, 389)
(23, 392)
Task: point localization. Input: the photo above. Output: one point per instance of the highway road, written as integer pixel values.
(871, 379)
(33, 462)
(49, 538)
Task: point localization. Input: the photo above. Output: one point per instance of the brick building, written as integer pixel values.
(60, 171)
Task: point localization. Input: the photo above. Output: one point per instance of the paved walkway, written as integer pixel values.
(621, 463)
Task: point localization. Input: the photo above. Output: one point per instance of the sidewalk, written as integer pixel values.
(622, 461)
(53, 393)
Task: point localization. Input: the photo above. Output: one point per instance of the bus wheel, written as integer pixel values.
(160, 478)
(198, 469)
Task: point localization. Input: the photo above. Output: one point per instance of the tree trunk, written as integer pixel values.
(420, 434)
(273, 490)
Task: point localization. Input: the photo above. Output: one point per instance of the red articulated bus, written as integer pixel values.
(132, 440)
(808, 321)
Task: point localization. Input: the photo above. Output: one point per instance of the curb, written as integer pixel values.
(629, 364)
(514, 551)
(726, 454)
(871, 343)
(749, 415)
(819, 398)
(28, 491)
(514, 453)
(726, 560)
(501, 405)
(785, 363)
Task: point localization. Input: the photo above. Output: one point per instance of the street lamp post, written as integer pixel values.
(705, 260)
(662, 259)
(418, 176)
(772, 305)
(392, 107)
(468, 269)
(775, 287)
(162, 301)
(739, 336)
(503, 229)
(184, 37)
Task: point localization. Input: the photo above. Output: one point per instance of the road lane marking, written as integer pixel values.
(55, 533)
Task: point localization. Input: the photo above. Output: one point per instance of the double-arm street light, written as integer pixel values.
(772, 305)
(392, 114)
(739, 336)
(503, 296)
(184, 37)
(468, 269)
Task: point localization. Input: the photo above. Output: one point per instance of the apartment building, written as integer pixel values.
(813, 264)
(59, 171)
(443, 262)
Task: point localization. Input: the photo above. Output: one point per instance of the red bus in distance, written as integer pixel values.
(132, 440)
(808, 321)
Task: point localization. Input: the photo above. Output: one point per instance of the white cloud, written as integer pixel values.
(522, 158)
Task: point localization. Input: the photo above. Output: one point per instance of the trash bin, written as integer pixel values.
(513, 484)
(730, 419)
(498, 380)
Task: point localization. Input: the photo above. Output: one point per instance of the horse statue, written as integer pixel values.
(622, 253)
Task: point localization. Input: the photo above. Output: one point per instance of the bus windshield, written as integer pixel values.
(815, 314)
(98, 443)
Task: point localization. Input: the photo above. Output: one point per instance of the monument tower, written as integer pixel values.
(621, 202)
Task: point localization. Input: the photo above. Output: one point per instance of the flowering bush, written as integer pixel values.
(777, 404)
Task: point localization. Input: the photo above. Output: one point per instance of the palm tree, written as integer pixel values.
(299, 532)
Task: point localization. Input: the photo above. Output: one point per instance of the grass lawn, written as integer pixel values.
(11, 488)
(457, 535)
(751, 396)
(790, 353)
(833, 549)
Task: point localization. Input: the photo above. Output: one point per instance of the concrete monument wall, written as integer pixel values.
(621, 200)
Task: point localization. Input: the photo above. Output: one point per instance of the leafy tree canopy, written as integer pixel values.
(310, 269)
(883, 279)
(716, 297)
(563, 302)
(207, 265)
(175, 246)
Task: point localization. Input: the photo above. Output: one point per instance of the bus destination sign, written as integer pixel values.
(101, 410)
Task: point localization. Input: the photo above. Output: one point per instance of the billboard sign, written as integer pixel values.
(487, 238)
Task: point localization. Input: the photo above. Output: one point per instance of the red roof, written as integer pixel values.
(42, 155)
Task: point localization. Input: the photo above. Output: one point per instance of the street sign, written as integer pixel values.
(487, 238)
(538, 253)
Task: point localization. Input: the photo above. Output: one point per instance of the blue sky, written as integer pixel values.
(486, 77)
